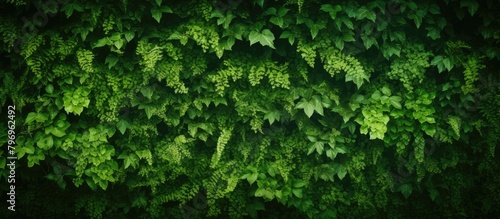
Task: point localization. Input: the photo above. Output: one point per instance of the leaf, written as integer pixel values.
(471, 5)
(386, 91)
(433, 33)
(315, 28)
(341, 171)
(57, 132)
(111, 60)
(31, 117)
(46, 142)
(158, 2)
(70, 8)
(364, 12)
(272, 116)
(283, 11)
(49, 88)
(102, 42)
(332, 10)
(277, 21)
(129, 35)
(297, 192)
(119, 43)
(288, 35)
(265, 38)
(299, 184)
(156, 13)
(270, 11)
(369, 41)
(406, 189)
(395, 101)
(251, 179)
(147, 92)
(448, 64)
(122, 126)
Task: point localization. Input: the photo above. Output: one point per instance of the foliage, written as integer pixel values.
(237, 109)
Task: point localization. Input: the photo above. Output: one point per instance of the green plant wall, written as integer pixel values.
(252, 109)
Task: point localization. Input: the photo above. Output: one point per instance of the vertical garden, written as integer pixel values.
(250, 109)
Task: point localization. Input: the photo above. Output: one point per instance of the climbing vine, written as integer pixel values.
(281, 109)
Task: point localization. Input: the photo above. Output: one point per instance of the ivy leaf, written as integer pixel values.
(386, 91)
(332, 10)
(102, 42)
(46, 142)
(390, 49)
(122, 126)
(70, 8)
(288, 35)
(30, 118)
(316, 27)
(129, 35)
(251, 179)
(158, 2)
(265, 38)
(395, 101)
(272, 116)
(147, 92)
(283, 11)
(438, 61)
(277, 21)
(111, 60)
(433, 33)
(363, 13)
(471, 5)
(297, 192)
(448, 64)
(369, 41)
(341, 171)
(299, 184)
(406, 189)
(308, 106)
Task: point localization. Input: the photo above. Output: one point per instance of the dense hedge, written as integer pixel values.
(259, 108)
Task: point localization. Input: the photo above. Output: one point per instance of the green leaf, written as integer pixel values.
(277, 21)
(46, 142)
(332, 10)
(395, 102)
(297, 192)
(315, 28)
(158, 2)
(30, 118)
(111, 60)
(448, 64)
(129, 35)
(433, 33)
(272, 116)
(156, 13)
(299, 184)
(471, 5)
(364, 12)
(265, 38)
(49, 88)
(251, 179)
(70, 8)
(147, 92)
(386, 91)
(341, 171)
(288, 35)
(368, 41)
(102, 42)
(122, 126)
(283, 11)
(406, 189)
